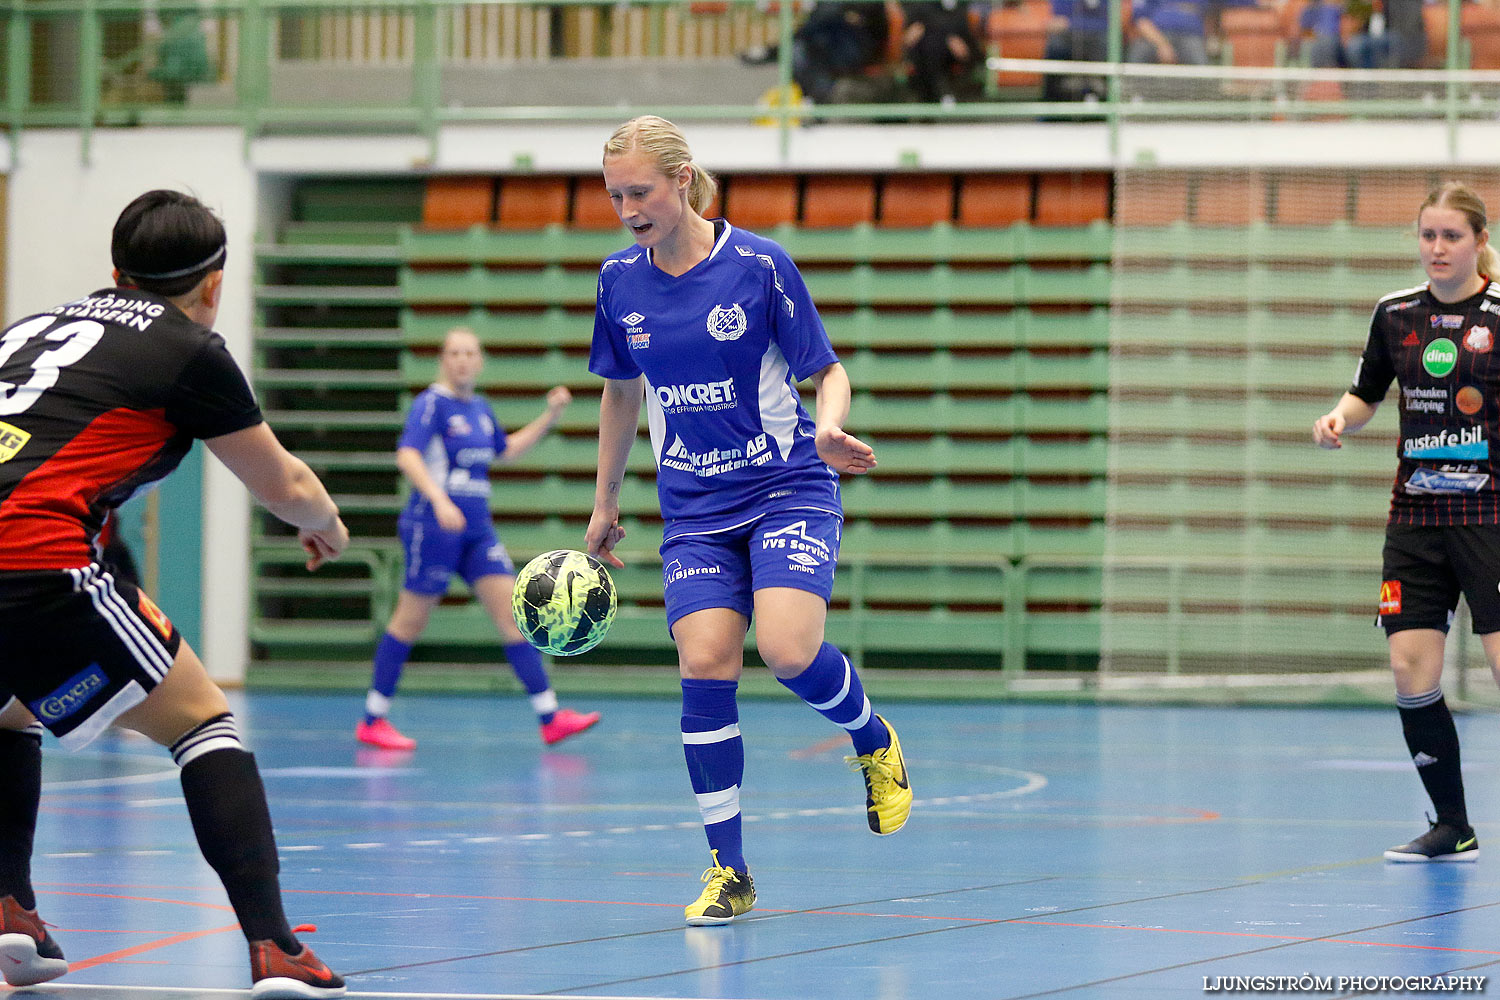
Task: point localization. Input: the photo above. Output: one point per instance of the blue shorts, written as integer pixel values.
(789, 548)
(434, 555)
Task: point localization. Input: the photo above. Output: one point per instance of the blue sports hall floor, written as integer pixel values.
(1055, 850)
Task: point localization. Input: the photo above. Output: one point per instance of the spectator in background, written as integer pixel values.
(1318, 32)
(941, 53)
(1407, 33)
(1169, 32)
(1079, 31)
(836, 42)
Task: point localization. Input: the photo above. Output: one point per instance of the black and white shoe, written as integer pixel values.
(1441, 842)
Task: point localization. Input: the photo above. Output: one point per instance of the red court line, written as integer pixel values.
(819, 748)
(139, 899)
(123, 953)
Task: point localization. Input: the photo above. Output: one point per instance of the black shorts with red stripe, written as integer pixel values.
(81, 647)
(1425, 569)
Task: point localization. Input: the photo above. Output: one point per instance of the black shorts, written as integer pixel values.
(1425, 569)
(80, 648)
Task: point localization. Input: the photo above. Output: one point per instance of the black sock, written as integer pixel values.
(1433, 741)
(227, 803)
(20, 795)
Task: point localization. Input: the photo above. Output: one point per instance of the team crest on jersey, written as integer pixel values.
(1479, 339)
(12, 440)
(458, 426)
(726, 324)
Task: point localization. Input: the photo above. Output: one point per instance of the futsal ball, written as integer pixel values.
(563, 602)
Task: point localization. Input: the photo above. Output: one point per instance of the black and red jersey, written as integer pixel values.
(99, 397)
(1442, 357)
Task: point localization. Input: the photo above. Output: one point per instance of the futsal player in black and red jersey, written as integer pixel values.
(1437, 342)
(99, 397)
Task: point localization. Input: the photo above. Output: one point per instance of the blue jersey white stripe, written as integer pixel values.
(721, 348)
(458, 439)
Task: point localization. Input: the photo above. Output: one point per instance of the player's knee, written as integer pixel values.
(787, 656)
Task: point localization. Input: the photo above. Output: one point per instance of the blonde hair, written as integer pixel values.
(668, 149)
(462, 331)
(1462, 198)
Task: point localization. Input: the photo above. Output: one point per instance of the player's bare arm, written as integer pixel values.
(1348, 416)
(409, 462)
(844, 453)
(619, 414)
(526, 438)
(283, 484)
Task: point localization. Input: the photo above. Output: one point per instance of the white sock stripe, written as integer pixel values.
(864, 717)
(134, 633)
(544, 701)
(1421, 700)
(35, 729)
(377, 704)
(716, 807)
(729, 732)
(192, 753)
(214, 735)
(843, 692)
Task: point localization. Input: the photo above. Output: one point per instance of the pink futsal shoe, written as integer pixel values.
(28, 955)
(279, 976)
(382, 734)
(566, 723)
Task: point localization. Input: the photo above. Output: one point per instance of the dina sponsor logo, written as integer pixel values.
(1440, 358)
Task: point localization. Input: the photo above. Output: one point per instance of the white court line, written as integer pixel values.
(206, 993)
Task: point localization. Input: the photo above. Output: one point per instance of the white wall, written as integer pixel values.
(61, 212)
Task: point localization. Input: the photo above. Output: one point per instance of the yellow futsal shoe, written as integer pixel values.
(887, 790)
(728, 894)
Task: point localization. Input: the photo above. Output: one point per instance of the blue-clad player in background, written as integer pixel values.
(451, 437)
(713, 326)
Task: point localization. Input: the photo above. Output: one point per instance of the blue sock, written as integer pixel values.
(390, 659)
(526, 660)
(831, 686)
(716, 763)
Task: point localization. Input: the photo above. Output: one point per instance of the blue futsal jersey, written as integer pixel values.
(722, 348)
(458, 438)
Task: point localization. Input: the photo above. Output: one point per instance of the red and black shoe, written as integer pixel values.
(28, 955)
(279, 976)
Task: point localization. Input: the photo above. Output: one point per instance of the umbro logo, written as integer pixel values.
(632, 319)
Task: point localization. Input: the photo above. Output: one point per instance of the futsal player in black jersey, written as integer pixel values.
(98, 398)
(1437, 342)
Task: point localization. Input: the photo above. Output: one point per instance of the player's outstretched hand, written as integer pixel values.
(844, 453)
(1327, 430)
(558, 398)
(324, 544)
(603, 535)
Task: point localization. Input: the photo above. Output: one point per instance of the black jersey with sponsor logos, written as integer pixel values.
(1442, 357)
(99, 397)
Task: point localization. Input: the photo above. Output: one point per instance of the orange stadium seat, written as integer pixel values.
(760, 201)
(1154, 198)
(1230, 199)
(910, 200)
(1252, 34)
(1481, 26)
(1019, 31)
(835, 200)
(591, 205)
(1312, 199)
(994, 199)
(532, 202)
(458, 202)
(1072, 199)
(1389, 199)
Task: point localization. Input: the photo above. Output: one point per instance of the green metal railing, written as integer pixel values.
(66, 62)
